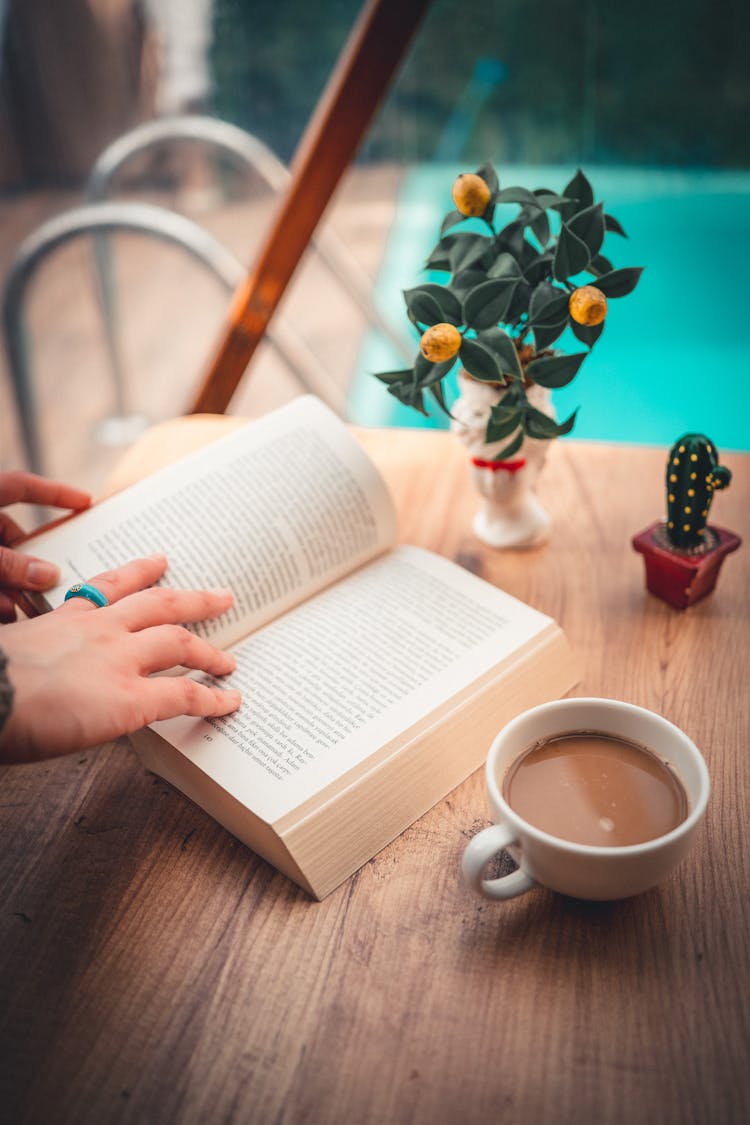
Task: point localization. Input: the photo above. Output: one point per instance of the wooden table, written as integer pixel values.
(154, 970)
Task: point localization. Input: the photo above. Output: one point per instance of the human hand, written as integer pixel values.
(19, 571)
(82, 674)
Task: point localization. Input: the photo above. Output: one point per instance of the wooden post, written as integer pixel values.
(361, 76)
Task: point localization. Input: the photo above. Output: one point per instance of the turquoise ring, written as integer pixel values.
(85, 590)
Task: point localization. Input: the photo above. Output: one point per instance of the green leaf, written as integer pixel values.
(540, 227)
(519, 306)
(448, 303)
(410, 396)
(450, 220)
(550, 199)
(505, 265)
(611, 223)
(600, 265)
(571, 254)
(438, 372)
(467, 250)
(510, 238)
(439, 259)
(511, 448)
(546, 334)
(548, 304)
(555, 370)
(519, 195)
(480, 362)
(437, 393)
(502, 345)
(542, 427)
(395, 376)
(489, 175)
(619, 283)
(566, 426)
(465, 281)
(484, 306)
(587, 334)
(588, 225)
(422, 306)
(580, 191)
(537, 271)
(503, 420)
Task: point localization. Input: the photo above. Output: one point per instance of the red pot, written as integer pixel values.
(679, 578)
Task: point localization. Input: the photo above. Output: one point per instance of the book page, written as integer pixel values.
(343, 674)
(276, 510)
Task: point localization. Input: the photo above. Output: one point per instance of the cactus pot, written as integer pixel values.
(682, 578)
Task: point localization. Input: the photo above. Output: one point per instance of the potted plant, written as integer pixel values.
(683, 555)
(507, 296)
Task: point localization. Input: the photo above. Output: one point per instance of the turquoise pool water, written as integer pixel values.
(675, 354)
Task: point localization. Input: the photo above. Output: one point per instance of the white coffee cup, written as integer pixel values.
(581, 870)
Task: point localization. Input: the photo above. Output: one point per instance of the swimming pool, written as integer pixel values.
(675, 354)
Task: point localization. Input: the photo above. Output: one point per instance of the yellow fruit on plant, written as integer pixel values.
(588, 306)
(440, 342)
(471, 194)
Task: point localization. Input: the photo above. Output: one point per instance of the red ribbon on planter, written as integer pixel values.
(508, 466)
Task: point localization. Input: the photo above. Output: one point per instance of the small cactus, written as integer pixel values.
(693, 475)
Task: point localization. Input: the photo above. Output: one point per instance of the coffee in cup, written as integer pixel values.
(595, 798)
(594, 788)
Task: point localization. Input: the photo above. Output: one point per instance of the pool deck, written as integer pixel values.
(172, 315)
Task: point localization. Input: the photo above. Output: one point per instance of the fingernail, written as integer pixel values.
(42, 574)
(222, 592)
(159, 557)
(230, 662)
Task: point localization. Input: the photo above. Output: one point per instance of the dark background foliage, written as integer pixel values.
(570, 81)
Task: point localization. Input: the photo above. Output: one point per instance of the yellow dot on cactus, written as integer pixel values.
(704, 512)
(693, 476)
(686, 527)
(670, 498)
(691, 492)
(673, 477)
(670, 524)
(708, 479)
(688, 509)
(701, 530)
(675, 460)
(681, 449)
(693, 456)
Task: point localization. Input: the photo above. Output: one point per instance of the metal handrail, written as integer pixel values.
(252, 152)
(142, 218)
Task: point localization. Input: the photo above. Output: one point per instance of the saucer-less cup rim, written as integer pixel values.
(607, 716)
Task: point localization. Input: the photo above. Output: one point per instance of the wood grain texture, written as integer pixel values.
(154, 970)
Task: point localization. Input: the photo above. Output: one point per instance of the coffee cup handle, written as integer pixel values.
(482, 848)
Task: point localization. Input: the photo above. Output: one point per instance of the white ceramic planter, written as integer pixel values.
(510, 514)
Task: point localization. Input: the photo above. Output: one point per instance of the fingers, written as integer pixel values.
(10, 532)
(169, 696)
(167, 646)
(25, 572)
(19, 487)
(119, 583)
(7, 610)
(161, 606)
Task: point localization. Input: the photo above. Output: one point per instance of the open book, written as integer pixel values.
(373, 676)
